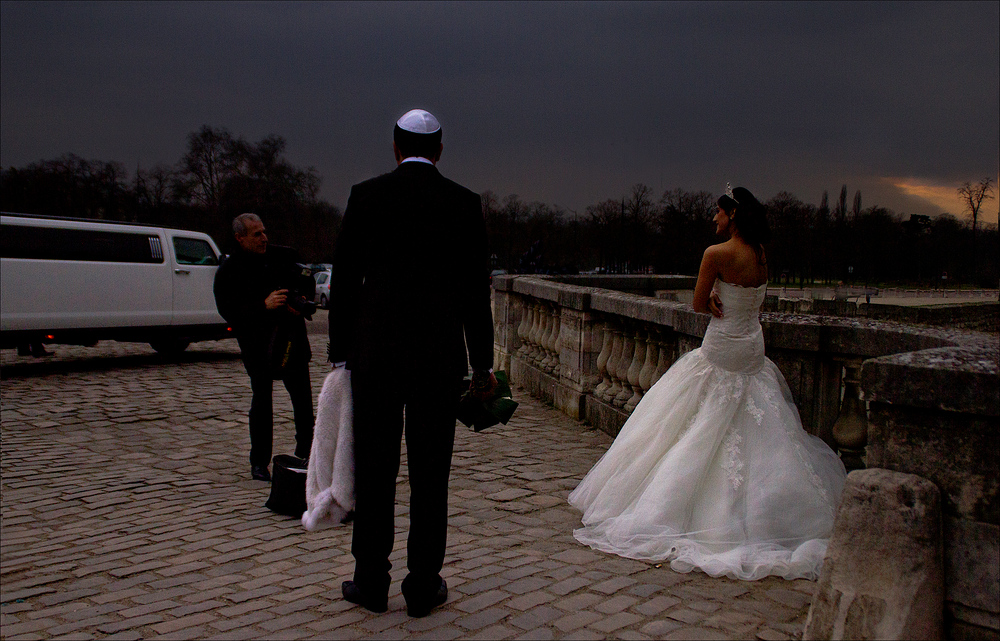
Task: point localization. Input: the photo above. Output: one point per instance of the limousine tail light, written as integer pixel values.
(50, 337)
(229, 329)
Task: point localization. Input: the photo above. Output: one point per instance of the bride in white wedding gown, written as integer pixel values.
(713, 471)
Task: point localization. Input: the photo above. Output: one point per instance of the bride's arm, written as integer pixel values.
(707, 274)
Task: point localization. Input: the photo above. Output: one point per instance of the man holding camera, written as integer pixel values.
(255, 293)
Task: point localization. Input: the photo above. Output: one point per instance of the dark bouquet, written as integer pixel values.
(498, 408)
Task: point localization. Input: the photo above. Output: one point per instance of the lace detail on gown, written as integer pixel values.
(713, 471)
(733, 464)
(755, 412)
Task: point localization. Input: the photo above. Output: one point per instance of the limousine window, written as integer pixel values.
(194, 251)
(52, 243)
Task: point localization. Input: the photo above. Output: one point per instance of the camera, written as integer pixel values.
(295, 277)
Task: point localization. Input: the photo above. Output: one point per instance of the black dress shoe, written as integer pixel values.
(353, 594)
(260, 473)
(422, 606)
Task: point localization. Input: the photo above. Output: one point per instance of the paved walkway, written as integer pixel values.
(128, 512)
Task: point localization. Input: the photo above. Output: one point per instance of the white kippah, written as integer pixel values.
(419, 121)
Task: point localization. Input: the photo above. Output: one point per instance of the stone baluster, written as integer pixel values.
(554, 340)
(522, 328)
(850, 431)
(602, 361)
(536, 328)
(545, 357)
(616, 352)
(543, 326)
(530, 312)
(622, 367)
(666, 357)
(649, 365)
(638, 361)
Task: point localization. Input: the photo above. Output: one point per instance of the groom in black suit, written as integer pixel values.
(410, 292)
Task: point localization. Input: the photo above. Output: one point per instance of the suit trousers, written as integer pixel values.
(430, 407)
(262, 412)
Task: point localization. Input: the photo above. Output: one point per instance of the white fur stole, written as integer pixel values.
(330, 478)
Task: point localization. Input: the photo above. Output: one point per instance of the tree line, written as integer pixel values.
(221, 176)
(810, 244)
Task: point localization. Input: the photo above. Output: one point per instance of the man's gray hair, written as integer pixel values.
(240, 223)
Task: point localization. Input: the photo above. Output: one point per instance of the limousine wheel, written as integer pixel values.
(169, 346)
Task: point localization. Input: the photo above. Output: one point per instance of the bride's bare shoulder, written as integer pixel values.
(722, 250)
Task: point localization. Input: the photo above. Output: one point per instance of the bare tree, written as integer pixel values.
(152, 187)
(973, 196)
(206, 165)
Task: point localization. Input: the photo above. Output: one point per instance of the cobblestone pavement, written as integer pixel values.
(128, 512)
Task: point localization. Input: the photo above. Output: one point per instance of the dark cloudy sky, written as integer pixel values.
(568, 104)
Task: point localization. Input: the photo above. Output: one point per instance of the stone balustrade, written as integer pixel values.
(593, 352)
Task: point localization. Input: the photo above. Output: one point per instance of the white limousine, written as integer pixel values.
(76, 281)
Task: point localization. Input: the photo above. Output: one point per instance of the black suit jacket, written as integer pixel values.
(241, 284)
(410, 287)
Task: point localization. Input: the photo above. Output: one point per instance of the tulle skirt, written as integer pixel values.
(713, 471)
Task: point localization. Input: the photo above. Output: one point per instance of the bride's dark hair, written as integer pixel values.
(750, 218)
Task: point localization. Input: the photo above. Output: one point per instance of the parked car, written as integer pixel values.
(323, 289)
(320, 267)
(116, 281)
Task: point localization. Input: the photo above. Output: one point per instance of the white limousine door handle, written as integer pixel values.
(182, 271)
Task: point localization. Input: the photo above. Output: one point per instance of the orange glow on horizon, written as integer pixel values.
(946, 197)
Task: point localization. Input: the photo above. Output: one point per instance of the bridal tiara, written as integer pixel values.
(729, 193)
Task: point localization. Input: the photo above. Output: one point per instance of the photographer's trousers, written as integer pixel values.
(430, 407)
(262, 412)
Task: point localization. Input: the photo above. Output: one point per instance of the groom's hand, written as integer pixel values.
(715, 304)
(484, 383)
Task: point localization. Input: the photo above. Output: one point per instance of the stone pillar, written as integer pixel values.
(546, 342)
(638, 361)
(523, 326)
(668, 355)
(883, 575)
(602, 361)
(554, 339)
(624, 392)
(850, 431)
(591, 346)
(508, 318)
(534, 333)
(649, 366)
(616, 353)
(576, 348)
(819, 415)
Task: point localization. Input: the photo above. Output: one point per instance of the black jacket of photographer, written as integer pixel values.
(242, 284)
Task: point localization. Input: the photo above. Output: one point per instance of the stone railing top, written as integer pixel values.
(960, 378)
(633, 283)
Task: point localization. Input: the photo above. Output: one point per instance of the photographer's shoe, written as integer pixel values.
(260, 473)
